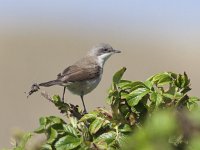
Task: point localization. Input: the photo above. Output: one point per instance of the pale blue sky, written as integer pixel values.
(184, 13)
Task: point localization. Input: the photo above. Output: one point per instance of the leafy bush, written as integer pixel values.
(149, 115)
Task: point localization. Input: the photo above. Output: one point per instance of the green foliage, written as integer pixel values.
(21, 143)
(137, 119)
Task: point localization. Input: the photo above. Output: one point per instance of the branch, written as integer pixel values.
(69, 109)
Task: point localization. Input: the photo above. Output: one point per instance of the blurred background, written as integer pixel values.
(38, 39)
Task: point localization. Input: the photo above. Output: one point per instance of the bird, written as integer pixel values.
(84, 75)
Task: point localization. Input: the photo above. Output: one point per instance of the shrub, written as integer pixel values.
(149, 115)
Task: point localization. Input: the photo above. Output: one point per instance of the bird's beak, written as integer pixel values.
(116, 51)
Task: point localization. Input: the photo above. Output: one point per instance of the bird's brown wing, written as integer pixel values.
(75, 73)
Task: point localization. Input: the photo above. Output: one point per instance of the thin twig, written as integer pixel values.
(69, 109)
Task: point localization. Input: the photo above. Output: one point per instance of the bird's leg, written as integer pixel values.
(63, 96)
(85, 111)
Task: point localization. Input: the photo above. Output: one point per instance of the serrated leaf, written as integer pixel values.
(68, 142)
(118, 75)
(108, 137)
(70, 130)
(73, 122)
(134, 97)
(96, 125)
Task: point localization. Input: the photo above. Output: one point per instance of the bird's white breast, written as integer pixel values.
(83, 87)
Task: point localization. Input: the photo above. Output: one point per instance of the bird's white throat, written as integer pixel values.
(102, 58)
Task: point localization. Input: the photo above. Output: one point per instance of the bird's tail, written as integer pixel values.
(35, 87)
(50, 83)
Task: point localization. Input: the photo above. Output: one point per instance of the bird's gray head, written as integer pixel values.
(103, 51)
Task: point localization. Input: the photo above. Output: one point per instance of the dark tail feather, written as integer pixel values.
(50, 83)
(35, 87)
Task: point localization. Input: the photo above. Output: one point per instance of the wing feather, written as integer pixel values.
(75, 73)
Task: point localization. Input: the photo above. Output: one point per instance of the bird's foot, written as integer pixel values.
(63, 100)
(85, 112)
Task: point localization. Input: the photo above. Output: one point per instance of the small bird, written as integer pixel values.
(83, 76)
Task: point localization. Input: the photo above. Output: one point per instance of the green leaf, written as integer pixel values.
(41, 129)
(161, 78)
(70, 130)
(134, 97)
(55, 120)
(56, 98)
(192, 103)
(124, 128)
(43, 120)
(68, 142)
(58, 127)
(137, 84)
(23, 141)
(88, 117)
(187, 80)
(46, 147)
(148, 84)
(118, 75)
(100, 146)
(96, 125)
(168, 95)
(124, 109)
(43, 123)
(165, 80)
(53, 136)
(108, 137)
(124, 84)
(124, 95)
(157, 98)
(182, 81)
(48, 122)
